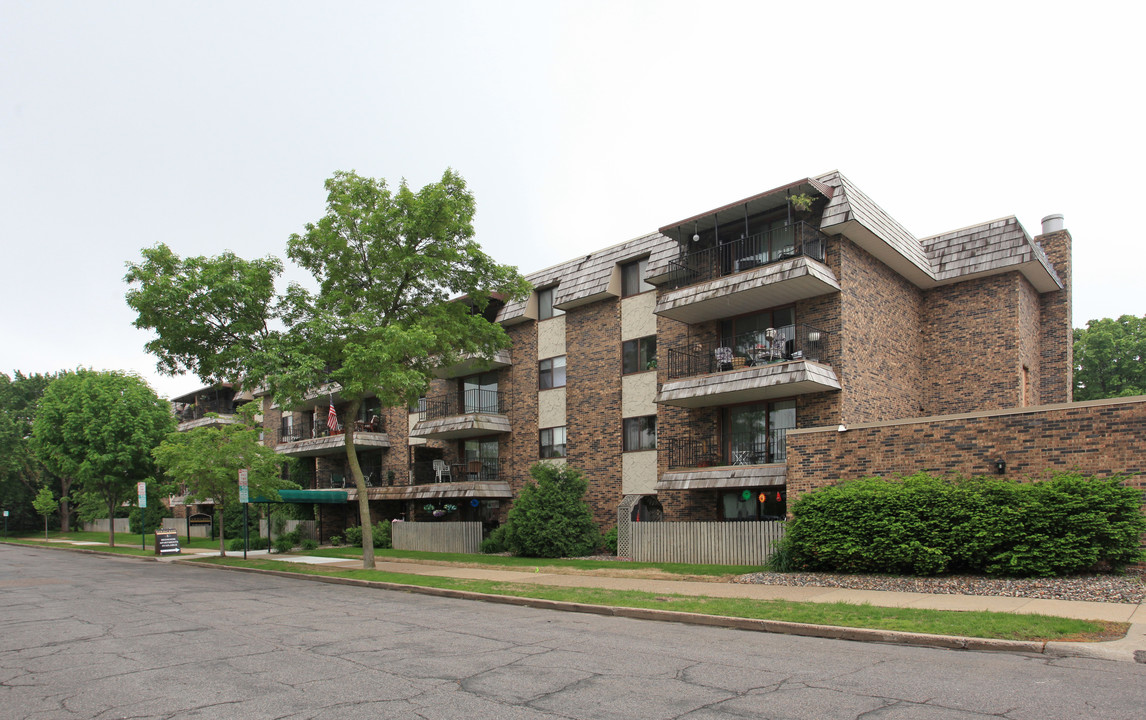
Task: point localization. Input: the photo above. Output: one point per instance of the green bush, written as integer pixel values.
(353, 536)
(925, 525)
(496, 542)
(335, 539)
(308, 544)
(283, 544)
(611, 540)
(381, 534)
(257, 543)
(550, 518)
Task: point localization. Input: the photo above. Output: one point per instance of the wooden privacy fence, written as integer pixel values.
(710, 543)
(102, 525)
(455, 537)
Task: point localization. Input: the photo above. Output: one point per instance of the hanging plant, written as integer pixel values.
(802, 202)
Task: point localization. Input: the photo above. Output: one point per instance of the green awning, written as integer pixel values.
(326, 497)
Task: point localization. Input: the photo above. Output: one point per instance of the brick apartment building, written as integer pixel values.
(673, 367)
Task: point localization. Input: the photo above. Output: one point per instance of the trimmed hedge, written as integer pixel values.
(925, 525)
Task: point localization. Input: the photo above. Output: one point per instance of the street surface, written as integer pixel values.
(86, 636)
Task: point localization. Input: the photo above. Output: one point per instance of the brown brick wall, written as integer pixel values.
(879, 365)
(593, 403)
(1103, 438)
(1056, 376)
(1029, 332)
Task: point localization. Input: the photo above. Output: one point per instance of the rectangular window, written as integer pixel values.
(640, 433)
(639, 355)
(545, 309)
(553, 442)
(633, 278)
(479, 394)
(481, 459)
(551, 373)
(763, 503)
(757, 434)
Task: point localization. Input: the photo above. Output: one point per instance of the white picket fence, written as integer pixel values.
(452, 537)
(707, 543)
(122, 525)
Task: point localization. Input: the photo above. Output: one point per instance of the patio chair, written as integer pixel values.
(442, 470)
(723, 357)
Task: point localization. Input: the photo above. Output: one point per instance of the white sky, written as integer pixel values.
(578, 125)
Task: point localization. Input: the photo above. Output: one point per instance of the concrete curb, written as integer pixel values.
(770, 626)
(75, 549)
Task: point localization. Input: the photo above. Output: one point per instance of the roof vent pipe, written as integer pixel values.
(1052, 223)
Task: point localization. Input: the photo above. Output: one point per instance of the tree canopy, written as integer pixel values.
(99, 428)
(1110, 358)
(389, 267)
(21, 473)
(206, 461)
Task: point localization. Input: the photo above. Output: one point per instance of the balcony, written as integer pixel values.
(311, 439)
(194, 415)
(778, 362)
(484, 470)
(776, 267)
(461, 415)
(473, 364)
(735, 460)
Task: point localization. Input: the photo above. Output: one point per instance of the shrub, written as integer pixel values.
(256, 543)
(611, 540)
(925, 525)
(283, 544)
(353, 536)
(335, 539)
(381, 534)
(308, 544)
(550, 518)
(495, 543)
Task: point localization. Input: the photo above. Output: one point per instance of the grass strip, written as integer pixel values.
(978, 624)
(681, 569)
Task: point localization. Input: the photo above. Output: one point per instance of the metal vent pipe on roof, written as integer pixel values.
(1052, 223)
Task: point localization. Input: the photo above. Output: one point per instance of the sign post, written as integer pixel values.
(245, 498)
(5, 524)
(142, 488)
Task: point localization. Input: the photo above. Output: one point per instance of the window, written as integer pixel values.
(639, 433)
(633, 277)
(639, 355)
(286, 428)
(744, 334)
(551, 373)
(755, 504)
(545, 309)
(756, 434)
(479, 394)
(553, 442)
(481, 458)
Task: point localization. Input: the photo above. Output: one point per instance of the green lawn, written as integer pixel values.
(700, 571)
(123, 541)
(1005, 626)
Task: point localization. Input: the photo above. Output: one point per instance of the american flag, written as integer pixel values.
(332, 417)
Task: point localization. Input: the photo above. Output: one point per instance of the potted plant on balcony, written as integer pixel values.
(801, 205)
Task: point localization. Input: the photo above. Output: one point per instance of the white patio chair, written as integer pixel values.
(442, 470)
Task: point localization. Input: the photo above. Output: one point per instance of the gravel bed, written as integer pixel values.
(1128, 588)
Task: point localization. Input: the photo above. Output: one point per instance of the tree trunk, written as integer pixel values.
(360, 483)
(111, 522)
(65, 509)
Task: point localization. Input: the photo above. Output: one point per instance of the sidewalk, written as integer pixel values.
(1124, 649)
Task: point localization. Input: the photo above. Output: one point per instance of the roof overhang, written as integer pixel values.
(730, 477)
(755, 384)
(322, 497)
(762, 202)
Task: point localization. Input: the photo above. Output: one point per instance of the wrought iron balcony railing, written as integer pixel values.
(753, 349)
(490, 402)
(729, 449)
(483, 470)
(747, 253)
(307, 429)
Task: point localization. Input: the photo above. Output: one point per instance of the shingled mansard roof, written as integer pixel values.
(990, 248)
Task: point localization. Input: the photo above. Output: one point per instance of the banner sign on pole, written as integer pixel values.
(244, 491)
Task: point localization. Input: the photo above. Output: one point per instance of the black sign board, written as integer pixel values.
(199, 519)
(166, 542)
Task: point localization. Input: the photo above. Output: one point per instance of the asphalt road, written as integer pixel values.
(85, 636)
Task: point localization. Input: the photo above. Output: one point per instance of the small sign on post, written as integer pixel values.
(244, 491)
(166, 541)
(142, 487)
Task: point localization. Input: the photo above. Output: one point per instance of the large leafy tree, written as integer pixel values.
(21, 473)
(1110, 358)
(386, 263)
(206, 461)
(99, 428)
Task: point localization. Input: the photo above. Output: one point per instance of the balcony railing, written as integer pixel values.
(753, 349)
(484, 470)
(747, 253)
(491, 402)
(200, 410)
(307, 429)
(730, 449)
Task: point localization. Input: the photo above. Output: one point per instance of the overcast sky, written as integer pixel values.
(578, 125)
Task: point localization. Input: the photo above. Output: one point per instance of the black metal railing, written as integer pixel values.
(729, 449)
(746, 253)
(470, 401)
(753, 349)
(484, 470)
(200, 409)
(307, 429)
(341, 480)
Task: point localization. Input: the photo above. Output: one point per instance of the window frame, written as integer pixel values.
(550, 450)
(551, 373)
(546, 310)
(641, 265)
(641, 423)
(643, 357)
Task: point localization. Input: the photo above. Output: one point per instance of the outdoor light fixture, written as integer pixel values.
(695, 234)
(1000, 467)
